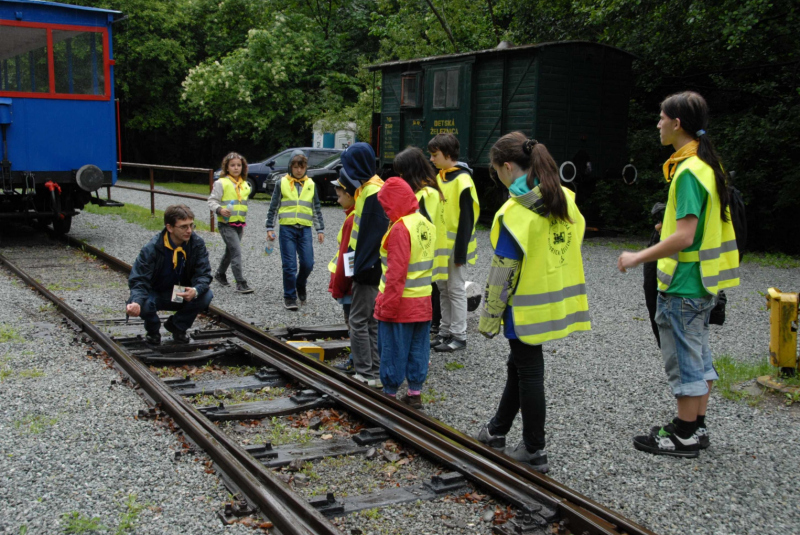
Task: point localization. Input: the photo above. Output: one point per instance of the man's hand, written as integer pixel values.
(224, 212)
(188, 295)
(321, 237)
(133, 309)
(271, 235)
(627, 260)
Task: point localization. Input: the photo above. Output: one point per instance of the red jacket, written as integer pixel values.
(340, 285)
(398, 200)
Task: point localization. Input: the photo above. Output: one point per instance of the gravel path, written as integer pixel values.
(602, 388)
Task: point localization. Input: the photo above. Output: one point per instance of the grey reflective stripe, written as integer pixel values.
(710, 254)
(305, 203)
(531, 300)
(663, 277)
(440, 270)
(473, 254)
(421, 266)
(383, 279)
(674, 257)
(239, 212)
(724, 275)
(288, 204)
(293, 215)
(533, 329)
(443, 252)
(354, 234)
(356, 220)
(451, 235)
(418, 283)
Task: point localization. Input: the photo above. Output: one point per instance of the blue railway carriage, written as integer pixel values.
(57, 110)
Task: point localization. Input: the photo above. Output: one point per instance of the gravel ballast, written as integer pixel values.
(603, 387)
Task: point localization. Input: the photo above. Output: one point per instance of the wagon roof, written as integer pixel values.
(65, 6)
(492, 51)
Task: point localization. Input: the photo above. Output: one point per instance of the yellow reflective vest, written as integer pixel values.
(332, 263)
(549, 301)
(239, 208)
(718, 254)
(367, 191)
(296, 209)
(452, 190)
(435, 209)
(420, 263)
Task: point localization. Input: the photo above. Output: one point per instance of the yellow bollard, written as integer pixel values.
(308, 348)
(783, 309)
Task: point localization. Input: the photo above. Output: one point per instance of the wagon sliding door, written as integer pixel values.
(448, 92)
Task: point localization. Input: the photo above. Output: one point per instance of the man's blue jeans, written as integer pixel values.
(183, 318)
(295, 243)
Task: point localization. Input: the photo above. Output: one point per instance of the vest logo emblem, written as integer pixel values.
(559, 239)
(423, 236)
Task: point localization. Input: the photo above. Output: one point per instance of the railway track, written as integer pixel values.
(367, 423)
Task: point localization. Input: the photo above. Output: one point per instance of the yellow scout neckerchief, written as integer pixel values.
(176, 251)
(237, 183)
(375, 180)
(443, 172)
(293, 180)
(687, 151)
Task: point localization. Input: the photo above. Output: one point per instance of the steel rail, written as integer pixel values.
(439, 437)
(290, 513)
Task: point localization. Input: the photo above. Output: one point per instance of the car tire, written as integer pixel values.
(252, 185)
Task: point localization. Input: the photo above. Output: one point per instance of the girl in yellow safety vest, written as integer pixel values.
(228, 200)
(697, 257)
(536, 286)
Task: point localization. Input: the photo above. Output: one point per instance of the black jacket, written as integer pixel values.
(373, 225)
(150, 261)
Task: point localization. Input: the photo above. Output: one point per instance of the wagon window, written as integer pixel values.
(409, 93)
(78, 61)
(23, 60)
(445, 89)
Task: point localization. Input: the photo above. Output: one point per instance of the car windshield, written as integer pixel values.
(329, 162)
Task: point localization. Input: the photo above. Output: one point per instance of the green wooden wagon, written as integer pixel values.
(572, 96)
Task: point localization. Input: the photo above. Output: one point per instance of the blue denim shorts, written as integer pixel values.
(683, 327)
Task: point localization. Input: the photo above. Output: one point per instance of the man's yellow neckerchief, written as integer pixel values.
(443, 172)
(687, 151)
(375, 180)
(176, 251)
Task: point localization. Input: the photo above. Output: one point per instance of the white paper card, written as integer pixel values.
(175, 291)
(349, 261)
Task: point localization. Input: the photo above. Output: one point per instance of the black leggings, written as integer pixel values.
(524, 391)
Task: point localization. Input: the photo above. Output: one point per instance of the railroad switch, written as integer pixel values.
(783, 354)
(446, 482)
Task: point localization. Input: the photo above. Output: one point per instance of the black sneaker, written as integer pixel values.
(301, 295)
(451, 344)
(436, 340)
(666, 442)
(222, 279)
(153, 339)
(290, 304)
(497, 442)
(346, 367)
(701, 435)
(243, 288)
(536, 460)
(179, 336)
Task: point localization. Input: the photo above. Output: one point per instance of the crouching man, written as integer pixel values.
(176, 256)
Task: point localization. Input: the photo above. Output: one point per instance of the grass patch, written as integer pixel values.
(76, 522)
(732, 373)
(372, 514)
(453, 366)
(178, 187)
(9, 334)
(776, 260)
(34, 424)
(137, 215)
(69, 286)
(281, 433)
(240, 396)
(130, 516)
(432, 396)
(31, 374)
(625, 246)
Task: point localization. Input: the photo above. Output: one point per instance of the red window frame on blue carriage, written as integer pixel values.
(57, 82)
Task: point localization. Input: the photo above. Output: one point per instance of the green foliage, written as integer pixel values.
(138, 215)
(9, 334)
(453, 366)
(34, 424)
(75, 522)
(130, 515)
(776, 260)
(733, 372)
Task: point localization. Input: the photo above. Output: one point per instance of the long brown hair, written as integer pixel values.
(233, 156)
(534, 157)
(412, 166)
(691, 108)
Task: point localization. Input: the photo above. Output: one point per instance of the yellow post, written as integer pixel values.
(783, 309)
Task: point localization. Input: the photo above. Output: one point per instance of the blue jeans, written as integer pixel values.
(404, 349)
(295, 243)
(183, 318)
(683, 327)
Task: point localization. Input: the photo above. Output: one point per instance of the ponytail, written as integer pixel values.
(707, 153)
(534, 157)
